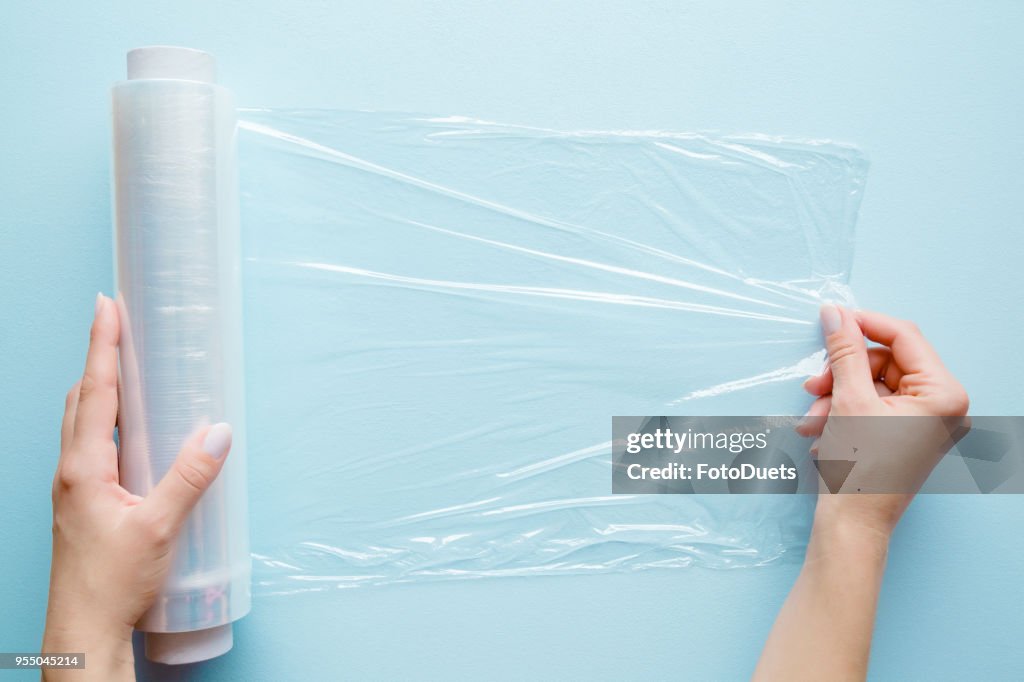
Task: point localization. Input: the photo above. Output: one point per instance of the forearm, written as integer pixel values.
(823, 630)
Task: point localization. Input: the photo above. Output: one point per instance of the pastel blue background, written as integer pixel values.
(931, 91)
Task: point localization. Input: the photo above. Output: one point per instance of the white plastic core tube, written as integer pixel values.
(178, 272)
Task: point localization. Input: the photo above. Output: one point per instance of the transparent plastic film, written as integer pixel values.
(178, 273)
(443, 315)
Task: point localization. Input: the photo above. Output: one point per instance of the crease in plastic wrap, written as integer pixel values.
(443, 315)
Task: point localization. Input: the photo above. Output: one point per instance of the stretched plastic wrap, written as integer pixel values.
(179, 295)
(444, 314)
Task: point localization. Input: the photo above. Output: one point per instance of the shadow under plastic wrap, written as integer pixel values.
(442, 315)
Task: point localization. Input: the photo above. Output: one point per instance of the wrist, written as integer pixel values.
(107, 647)
(848, 537)
(872, 515)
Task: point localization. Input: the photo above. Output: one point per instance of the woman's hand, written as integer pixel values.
(896, 403)
(112, 549)
(892, 403)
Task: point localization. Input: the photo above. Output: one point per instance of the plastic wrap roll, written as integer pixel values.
(178, 279)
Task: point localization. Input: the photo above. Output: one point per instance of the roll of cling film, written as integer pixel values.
(178, 275)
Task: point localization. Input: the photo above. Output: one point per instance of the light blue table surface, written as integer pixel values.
(930, 91)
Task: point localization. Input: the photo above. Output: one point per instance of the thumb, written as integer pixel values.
(848, 358)
(196, 467)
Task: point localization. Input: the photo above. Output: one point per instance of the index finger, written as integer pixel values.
(910, 350)
(97, 399)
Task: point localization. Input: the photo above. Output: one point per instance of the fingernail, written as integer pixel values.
(218, 440)
(99, 303)
(831, 320)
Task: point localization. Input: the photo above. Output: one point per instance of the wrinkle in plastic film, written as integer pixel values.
(443, 315)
